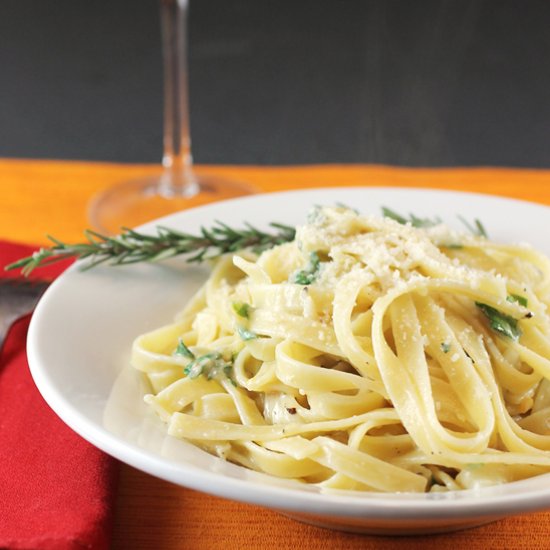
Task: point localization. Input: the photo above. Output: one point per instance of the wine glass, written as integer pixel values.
(178, 185)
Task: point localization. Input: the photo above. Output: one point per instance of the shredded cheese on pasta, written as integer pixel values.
(365, 355)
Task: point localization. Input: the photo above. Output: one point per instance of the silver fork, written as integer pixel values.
(17, 297)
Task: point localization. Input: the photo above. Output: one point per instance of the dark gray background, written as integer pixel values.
(425, 82)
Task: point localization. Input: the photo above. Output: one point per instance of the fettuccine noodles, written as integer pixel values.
(365, 355)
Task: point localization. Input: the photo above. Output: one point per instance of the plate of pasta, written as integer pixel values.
(380, 363)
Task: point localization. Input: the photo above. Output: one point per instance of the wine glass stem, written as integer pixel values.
(178, 178)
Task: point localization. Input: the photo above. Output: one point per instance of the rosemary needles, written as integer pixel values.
(132, 246)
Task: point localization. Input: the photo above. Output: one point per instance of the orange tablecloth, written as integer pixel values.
(39, 197)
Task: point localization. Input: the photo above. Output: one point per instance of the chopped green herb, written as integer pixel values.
(310, 273)
(521, 300)
(228, 371)
(500, 322)
(196, 367)
(183, 350)
(445, 347)
(413, 220)
(453, 246)
(211, 364)
(242, 309)
(246, 334)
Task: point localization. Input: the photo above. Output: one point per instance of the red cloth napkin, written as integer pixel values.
(56, 489)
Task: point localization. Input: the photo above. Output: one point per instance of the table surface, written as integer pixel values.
(51, 197)
(431, 83)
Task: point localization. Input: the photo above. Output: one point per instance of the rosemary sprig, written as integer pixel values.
(132, 246)
(477, 228)
(415, 221)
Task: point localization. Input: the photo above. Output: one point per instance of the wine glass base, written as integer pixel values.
(135, 202)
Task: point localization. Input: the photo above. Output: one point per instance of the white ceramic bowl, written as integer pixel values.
(82, 330)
